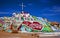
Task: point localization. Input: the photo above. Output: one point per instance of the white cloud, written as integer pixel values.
(49, 14)
(51, 11)
(5, 13)
(55, 9)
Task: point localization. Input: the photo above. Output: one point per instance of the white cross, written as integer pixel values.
(22, 6)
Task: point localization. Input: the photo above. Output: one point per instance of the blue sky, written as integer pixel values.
(49, 9)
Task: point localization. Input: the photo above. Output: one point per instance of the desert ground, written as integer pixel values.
(24, 35)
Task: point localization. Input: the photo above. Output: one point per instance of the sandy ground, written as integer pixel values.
(24, 35)
(17, 35)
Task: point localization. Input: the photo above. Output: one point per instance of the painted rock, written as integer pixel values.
(9, 30)
(1, 25)
(1, 21)
(26, 23)
(55, 29)
(1, 28)
(40, 18)
(24, 28)
(47, 29)
(35, 18)
(36, 25)
(11, 26)
(4, 27)
(22, 18)
(25, 14)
